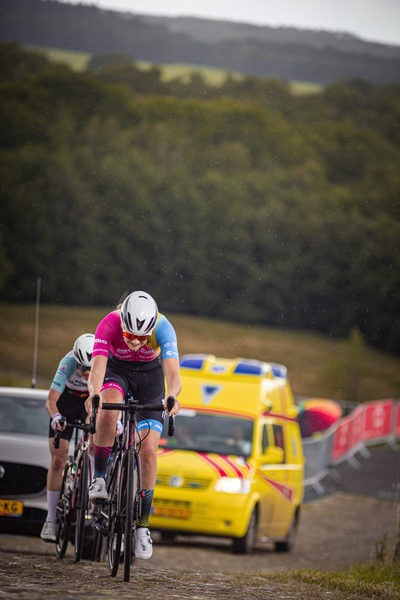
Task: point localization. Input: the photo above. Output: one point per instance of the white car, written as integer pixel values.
(24, 460)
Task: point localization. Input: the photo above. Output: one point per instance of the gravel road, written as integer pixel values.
(336, 532)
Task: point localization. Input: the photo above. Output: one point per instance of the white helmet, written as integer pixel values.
(83, 349)
(139, 313)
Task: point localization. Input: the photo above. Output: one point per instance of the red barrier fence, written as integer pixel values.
(371, 422)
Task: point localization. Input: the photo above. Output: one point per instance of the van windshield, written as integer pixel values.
(210, 432)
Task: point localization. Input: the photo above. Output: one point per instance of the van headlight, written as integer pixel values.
(233, 485)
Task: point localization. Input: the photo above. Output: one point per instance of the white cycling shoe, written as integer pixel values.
(143, 543)
(49, 532)
(98, 491)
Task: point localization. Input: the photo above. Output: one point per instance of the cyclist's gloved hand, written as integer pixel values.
(55, 420)
(120, 428)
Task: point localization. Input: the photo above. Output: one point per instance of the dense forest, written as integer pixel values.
(243, 202)
(317, 57)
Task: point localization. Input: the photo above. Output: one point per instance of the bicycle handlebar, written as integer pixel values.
(135, 408)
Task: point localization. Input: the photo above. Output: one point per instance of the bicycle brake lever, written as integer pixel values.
(171, 423)
(170, 403)
(56, 441)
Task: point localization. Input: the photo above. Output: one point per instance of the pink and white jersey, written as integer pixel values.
(109, 337)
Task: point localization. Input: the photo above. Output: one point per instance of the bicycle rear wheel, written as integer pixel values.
(63, 517)
(99, 547)
(81, 505)
(127, 510)
(114, 536)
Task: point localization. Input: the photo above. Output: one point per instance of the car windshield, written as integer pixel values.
(209, 432)
(23, 415)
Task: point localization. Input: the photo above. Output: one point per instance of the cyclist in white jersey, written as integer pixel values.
(66, 398)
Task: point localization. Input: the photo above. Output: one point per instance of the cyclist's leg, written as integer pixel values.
(148, 457)
(57, 463)
(71, 409)
(148, 463)
(54, 481)
(150, 390)
(149, 431)
(113, 391)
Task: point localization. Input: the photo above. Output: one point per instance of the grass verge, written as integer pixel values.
(378, 580)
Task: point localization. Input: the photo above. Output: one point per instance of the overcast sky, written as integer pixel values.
(373, 20)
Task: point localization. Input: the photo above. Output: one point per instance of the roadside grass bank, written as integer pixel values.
(308, 356)
(377, 580)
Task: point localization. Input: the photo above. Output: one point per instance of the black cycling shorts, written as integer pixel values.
(146, 383)
(72, 406)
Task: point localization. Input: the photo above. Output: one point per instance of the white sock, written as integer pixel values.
(52, 499)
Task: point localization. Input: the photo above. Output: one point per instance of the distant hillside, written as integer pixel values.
(283, 53)
(208, 30)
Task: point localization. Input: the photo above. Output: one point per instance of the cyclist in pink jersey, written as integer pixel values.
(135, 349)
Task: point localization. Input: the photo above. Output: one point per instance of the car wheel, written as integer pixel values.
(288, 543)
(245, 544)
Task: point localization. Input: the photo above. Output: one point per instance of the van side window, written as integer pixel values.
(278, 437)
(294, 446)
(264, 439)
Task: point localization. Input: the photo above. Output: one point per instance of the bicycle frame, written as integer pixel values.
(81, 448)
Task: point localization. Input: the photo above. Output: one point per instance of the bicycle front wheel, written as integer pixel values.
(81, 505)
(127, 510)
(63, 517)
(114, 536)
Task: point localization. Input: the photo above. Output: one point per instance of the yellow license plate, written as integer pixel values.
(11, 508)
(174, 513)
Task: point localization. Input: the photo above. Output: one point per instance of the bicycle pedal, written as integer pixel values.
(101, 526)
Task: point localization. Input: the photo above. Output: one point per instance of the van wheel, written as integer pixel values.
(245, 544)
(288, 543)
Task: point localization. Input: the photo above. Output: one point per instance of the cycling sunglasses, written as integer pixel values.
(83, 369)
(131, 337)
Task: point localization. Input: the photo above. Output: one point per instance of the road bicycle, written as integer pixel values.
(73, 505)
(119, 515)
(99, 548)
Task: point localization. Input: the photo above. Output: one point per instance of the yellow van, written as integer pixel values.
(234, 467)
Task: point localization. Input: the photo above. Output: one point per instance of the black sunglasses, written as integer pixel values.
(84, 369)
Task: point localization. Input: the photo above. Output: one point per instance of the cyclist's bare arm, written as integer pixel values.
(173, 381)
(96, 378)
(51, 405)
